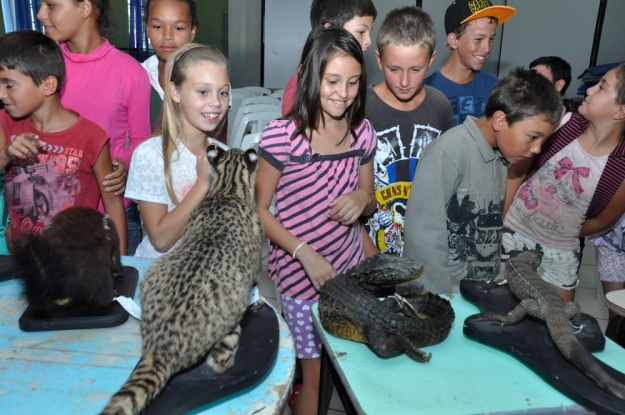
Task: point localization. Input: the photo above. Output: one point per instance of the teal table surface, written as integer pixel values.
(463, 376)
(77, 371)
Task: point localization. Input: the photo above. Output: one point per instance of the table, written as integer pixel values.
(77, 371)
(615, 301)
(463, 377)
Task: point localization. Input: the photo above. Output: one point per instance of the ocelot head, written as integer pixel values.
(232, 171)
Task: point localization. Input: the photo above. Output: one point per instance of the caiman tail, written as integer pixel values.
(146, 381)
(574, 352)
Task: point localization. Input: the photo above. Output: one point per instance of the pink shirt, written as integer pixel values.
(307, 185)
(111, 89)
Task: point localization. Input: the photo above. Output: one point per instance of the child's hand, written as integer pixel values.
(347, 208)
(203, 169)
(116, 181)
(24, 146)
(318, 269)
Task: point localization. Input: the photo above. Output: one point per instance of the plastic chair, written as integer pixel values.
(278, 93)
(250, 140)
(236, 118)
(237, 95)
(263, 99)
(253, 122)
(258, 90)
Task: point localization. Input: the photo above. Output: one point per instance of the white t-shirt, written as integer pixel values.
(151, 66)
(146, 181)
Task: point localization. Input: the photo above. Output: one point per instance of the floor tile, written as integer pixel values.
(335, 412)
(266, 286)
(587, 299)
(587, 276)
(588, 256)
(335, 402)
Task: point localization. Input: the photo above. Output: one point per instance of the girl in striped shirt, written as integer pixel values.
(574, 187)
(318, 164)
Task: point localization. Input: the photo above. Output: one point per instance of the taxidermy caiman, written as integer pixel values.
(540, 300)
(349, 309)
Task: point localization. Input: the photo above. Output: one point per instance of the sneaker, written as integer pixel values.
(294, 394)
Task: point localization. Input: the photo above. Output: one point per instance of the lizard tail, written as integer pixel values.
(575, 353)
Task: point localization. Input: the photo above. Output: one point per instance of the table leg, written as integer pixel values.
(327, 366)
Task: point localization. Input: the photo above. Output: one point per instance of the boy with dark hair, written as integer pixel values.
(406, 115)
(556, 69)
(470, 26)
(54, 158)
(454, 214)
(355, 16)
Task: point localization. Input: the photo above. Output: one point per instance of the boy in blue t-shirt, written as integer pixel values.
(470, 27)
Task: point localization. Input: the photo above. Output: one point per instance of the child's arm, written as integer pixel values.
(425, 225)
(368, 245)
(166, 228)
(318, 269)
(347, 208)
(116, 181)
(516, 175)
(113, 205)
(608, 216)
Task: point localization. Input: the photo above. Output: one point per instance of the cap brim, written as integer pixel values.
(502, 13)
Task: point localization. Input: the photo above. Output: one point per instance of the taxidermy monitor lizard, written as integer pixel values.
(540, 300)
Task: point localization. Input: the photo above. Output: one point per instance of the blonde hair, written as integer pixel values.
(177, 71)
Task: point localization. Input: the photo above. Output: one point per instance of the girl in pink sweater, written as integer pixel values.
(104, 85)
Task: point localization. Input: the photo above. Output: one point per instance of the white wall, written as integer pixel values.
(244, 42)
(612, 46)
(563, 28)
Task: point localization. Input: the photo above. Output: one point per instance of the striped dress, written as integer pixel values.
(307, 185)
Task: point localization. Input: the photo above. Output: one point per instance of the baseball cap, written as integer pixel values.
(462, 11)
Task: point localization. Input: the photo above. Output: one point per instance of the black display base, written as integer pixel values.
(8, 268)
(111, 316)
(199, 386)
(529, 341)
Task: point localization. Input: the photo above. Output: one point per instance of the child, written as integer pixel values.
(453, 217)
(319, 165)
(611, 267)
(556, 69)
(573, 188)
(355, 16)
(170, 24)
(470, 27)
(406, 116)
(170, 171)
(104, 85)
(54, 158)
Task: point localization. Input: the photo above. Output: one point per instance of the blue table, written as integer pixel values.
(77, 371)
(463, 377)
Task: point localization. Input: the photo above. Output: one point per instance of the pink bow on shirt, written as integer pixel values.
(567, 166)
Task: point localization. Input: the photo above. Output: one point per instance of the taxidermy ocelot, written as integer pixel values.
(73, 264)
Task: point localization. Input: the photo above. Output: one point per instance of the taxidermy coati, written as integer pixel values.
(71, 265)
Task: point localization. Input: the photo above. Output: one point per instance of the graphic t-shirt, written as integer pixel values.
(550, 206)
(466, 99)
(402, 137)
(61, 175)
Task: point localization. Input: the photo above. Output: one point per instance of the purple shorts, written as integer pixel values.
(297, 316)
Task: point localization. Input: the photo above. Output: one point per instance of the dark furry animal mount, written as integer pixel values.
(530, 342)
(72, 265)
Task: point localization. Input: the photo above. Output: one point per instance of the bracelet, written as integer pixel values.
(297, 249)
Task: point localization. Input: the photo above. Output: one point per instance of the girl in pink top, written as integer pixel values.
(319, 165)
(104, 85)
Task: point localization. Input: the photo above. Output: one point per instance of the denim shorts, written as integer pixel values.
(133, 225)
